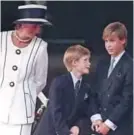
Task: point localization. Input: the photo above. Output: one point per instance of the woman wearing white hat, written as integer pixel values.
(23, 70)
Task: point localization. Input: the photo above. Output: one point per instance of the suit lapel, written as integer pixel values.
(72, 96)
(108, 81)
(103, 68)
(70, 87)
(77, 99)
(118, 66)
(81, 93)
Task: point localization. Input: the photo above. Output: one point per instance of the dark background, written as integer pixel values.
(75, 22)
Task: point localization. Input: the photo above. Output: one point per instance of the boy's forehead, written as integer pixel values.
(111, 36)
(85, 56)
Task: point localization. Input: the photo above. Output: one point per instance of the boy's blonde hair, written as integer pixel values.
(74, 53)
(117, 28)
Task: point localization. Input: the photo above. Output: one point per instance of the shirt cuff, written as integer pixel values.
(96, 117)
(110, 124)
(43, 99)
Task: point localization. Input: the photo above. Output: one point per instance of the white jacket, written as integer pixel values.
(22, 77)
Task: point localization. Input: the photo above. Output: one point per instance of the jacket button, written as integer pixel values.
(14, 68)
(11, 84)
(108, 95)
(18, 51)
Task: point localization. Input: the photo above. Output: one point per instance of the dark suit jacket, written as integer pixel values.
(64, 109)
(115, 94)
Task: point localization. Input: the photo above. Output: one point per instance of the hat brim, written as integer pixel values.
(33, 21)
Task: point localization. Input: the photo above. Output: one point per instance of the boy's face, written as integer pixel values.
(114, 45)
(82, 65)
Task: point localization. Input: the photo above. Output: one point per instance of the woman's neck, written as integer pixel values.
(19, 43)
(20, 39)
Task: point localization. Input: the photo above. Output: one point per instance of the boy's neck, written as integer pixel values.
(76, 74)
(119, 53)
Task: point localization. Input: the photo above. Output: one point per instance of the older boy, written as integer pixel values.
(68, 96)
(114, 85)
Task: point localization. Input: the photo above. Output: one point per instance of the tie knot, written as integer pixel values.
(77, 85)
(112, 60)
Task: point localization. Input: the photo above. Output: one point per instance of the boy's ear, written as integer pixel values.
(74, 62)
(123, 41)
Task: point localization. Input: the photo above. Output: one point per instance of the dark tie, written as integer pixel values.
(77, 87)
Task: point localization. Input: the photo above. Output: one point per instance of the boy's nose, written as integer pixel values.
(108, 44)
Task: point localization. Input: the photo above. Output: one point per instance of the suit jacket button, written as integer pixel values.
(18, 51)
(12, 84)
(108, 95)
(14, 67)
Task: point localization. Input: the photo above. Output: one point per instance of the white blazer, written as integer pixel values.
(23, 74)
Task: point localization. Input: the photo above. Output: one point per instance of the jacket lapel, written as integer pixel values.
(70, 87)
(81, 93)
(104, 68)
(118, 66)
(108, 81)
(77, 99)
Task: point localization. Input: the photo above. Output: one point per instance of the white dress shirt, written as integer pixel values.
(75, 79)
(117, 58)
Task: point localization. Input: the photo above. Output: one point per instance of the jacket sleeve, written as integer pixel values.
(55, 97)
(126, 99)
(41, 68)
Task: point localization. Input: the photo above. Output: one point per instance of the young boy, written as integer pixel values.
(114, 85)
(68, 97)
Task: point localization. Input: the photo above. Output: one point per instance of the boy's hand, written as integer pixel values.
(74, 130)
(95, 125)
(103, 129)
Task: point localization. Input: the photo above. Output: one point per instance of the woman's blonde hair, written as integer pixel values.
(74, 53)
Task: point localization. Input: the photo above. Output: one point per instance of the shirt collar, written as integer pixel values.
(74, 78)
(117, 58)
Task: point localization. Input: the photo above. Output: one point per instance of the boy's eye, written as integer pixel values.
(86, 59)
(112, 40)
(106, 41)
